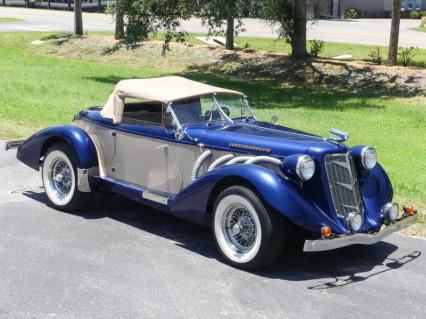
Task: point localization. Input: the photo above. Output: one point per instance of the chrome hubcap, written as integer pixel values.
(240, 228)
(61, 178)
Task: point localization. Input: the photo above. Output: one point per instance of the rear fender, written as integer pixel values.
(33, 149)
(281, 194)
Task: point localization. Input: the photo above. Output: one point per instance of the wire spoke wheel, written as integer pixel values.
(59, 178)
(240, 228)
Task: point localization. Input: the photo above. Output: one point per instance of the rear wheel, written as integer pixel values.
(247, 235)
(59, 175)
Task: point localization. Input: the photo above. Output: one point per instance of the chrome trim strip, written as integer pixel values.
(13, 144)
(155, 197)
(359, 238)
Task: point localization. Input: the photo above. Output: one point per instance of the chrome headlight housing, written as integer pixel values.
(368, 157)
(355, 222)
(299, 166)
(305, 167)
(390, 211)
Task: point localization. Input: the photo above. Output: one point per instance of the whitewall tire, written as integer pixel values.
(59, 176)
(247, 235)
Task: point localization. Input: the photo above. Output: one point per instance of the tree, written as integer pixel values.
(394, 34)
(78, 18)
(290, 16)
(119, 19)
(214, 13)
(140, 18)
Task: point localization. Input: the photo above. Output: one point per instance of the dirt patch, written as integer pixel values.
(415, 230)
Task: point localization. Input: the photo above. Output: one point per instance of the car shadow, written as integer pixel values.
(328, 270)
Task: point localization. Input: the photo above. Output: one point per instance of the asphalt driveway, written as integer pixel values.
(363, 31)
(121, 260)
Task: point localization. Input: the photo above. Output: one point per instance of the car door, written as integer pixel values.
(141, 153)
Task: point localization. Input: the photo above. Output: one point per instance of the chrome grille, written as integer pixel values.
(343, 183)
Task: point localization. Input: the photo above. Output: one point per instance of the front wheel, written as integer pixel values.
(247, 235)
(59, 175)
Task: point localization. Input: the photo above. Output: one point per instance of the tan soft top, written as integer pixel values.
(165, 89)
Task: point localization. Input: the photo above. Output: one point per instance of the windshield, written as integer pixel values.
(211, 108)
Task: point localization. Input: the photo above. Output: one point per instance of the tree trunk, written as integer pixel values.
(298, 40)
(78, 18)
(99, 6)
(394, 34)
(69, 5)
(48, 4)
(119, 25)
(230, 25)
(3, 2)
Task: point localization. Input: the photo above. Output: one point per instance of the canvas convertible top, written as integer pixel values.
(164, 89)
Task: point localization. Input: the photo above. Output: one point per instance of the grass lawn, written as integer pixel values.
(9, 20)
(47, 85)
(420, 29)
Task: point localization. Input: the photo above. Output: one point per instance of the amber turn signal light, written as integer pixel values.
(326, 231)
(409, 210)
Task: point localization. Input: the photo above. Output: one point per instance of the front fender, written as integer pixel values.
(281, 194)
(76, 138)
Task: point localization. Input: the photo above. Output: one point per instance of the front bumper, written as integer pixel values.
(360, 238)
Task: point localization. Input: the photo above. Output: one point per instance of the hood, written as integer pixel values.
(260, 138)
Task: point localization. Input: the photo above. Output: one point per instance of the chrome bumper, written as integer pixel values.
(360, 238)
(12, 144)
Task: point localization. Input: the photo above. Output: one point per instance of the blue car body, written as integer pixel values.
(307, 205)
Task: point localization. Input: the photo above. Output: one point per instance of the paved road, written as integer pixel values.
(120, 260)
(367, 31)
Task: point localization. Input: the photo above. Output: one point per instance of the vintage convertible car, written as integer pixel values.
(198, 152)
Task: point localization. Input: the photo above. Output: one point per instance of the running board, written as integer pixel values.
(12, 145)
(136, 192)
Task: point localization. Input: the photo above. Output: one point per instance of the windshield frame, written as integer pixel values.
(224, 118)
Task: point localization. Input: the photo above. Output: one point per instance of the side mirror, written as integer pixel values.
(179, 134)
(274, 119)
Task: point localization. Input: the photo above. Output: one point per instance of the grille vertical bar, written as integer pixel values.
(343, 184)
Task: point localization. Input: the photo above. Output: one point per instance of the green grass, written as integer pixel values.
(10, 20)
(38, 89)
(420, 29)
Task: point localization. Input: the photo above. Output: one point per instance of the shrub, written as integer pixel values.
(317, 47)
(351, 14)
(414, 15)
(375, 56)
(406, 55)
(422, 13)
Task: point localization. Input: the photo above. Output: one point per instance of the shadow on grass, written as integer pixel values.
(58, 38)
(331, 269)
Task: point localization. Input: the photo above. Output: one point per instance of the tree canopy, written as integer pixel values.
(137, 19)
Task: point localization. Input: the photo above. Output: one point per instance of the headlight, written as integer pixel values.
(391, 211)
(368, 157)
(299, 167)
(355, 222)
(305, 167)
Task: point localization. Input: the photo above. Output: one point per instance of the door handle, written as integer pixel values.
(113, 133)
